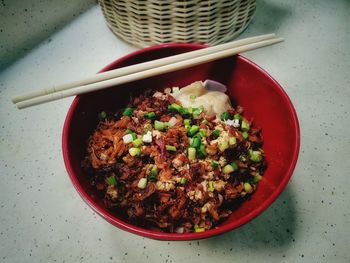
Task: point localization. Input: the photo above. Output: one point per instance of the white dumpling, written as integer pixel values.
(216, 102)
(185, 94)
(196, 95)
(196, 88)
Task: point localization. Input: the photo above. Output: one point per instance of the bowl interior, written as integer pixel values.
(249, 86)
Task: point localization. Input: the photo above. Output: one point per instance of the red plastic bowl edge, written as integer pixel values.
(190, 236)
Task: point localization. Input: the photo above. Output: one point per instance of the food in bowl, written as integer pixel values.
(175, 161)
(248, 85)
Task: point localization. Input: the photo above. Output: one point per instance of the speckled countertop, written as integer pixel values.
(43, 219)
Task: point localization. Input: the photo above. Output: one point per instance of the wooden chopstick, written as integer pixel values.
(151, 71)
(140, 67)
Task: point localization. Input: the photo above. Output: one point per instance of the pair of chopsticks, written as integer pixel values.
(143, 70)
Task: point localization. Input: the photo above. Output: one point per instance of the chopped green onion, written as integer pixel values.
(128, 112)
(150, 115)
(174, 106)
(203, 132)
(245, 135)
(134, 151)
(154, 170)
(142, 183)
(133, 134)
(197, 111)
(184, 111)
(245, 126)
(198, 229)
(257, 178)
(102, 115)
(193, 130)
(198, 135)
(111, 180)
(187, 122)
(248, 188)
(202, 152)
(242, 158)
(178, 108)
(211, 186)
(196, 116)
(191, 153)
(234, 166)
(170, 148)
(159, 125)
(205, 121)
(255, 156)
(147, 127)
(223, 146)
(232, 140)
(237, 116)
(196, 142)
(152, 178)
(137, 142)
(214, 164)
(228, 169)
(183, 181)
(193, 97)
(216, 133)
(225, 116)
(153, 173)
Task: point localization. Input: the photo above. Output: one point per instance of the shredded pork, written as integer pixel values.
(166, 188)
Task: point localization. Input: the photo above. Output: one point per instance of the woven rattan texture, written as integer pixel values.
(148, 22)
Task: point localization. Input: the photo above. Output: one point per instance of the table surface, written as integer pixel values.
(43, 219)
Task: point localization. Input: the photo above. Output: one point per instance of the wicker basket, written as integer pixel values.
(148, 22)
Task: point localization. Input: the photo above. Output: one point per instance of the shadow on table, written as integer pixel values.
(275, 227)
(25, 24)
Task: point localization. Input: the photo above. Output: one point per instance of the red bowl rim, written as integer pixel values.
(186, 236)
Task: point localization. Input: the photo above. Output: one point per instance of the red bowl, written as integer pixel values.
(248, 85)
